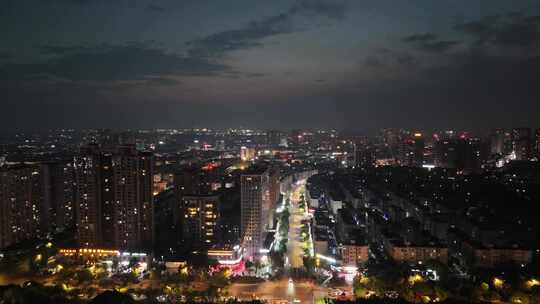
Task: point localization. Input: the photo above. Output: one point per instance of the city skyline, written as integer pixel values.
(312, 63)
(273, 215)
(269, 152)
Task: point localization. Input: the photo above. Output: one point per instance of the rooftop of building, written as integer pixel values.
(356, 237)
(256, 169)
(320, 233)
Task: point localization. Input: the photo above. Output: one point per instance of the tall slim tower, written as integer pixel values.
(133, 208)
(21, 204)
(88, 201)
(274, 138)
(255, 204)
(537, 143)
(521, 143)
(497, 141)
(59, 192)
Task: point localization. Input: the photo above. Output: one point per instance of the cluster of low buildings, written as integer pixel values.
(414, 215)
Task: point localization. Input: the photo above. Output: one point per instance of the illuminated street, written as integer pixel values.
(286, 289)
(273, 291)
(303, 291)
(294, 245)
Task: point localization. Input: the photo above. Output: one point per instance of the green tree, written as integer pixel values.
(359, 288)
(309, 264)
(133, 261)
(219, 279)
(83, 277)
(257, 265)
(249, 266)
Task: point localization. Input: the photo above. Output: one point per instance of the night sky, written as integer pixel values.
(355, 64)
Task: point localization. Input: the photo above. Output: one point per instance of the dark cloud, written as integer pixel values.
(111, 63)
(385, 58)
(250, 36)
(373, 61)
(255, 75)
(59, 49)
(332, 9)
(510, 30)
(429, 42)
(468, 91)
(81, 83)
(438, 46)
(162, 81)
(74, 2)
(155, 7)
(406, 59)
(5, 54)
(475, 86)
(426, 37)
(219, 43)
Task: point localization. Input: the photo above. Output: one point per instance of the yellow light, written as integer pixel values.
(48, 245)
(38, 258)
(532, 282)
(364, 280)
(497, 282)
(415, 279)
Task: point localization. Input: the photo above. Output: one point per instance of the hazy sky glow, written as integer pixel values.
(351, 64)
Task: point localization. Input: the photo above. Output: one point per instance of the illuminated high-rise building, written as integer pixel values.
(190, 180)
(537, 143)
(463, 153)
(255, 204)
(364, 155)
(133, 198)
(92, 180)
(59, 192)
(274, 138)
(295, 137)
(446, 153)
(22, 210)
(220, 145)
(201, 218)
(497, 141)
(412, 150)
(473, 155)
(247, 154)
(114, 200)
(521, 143)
